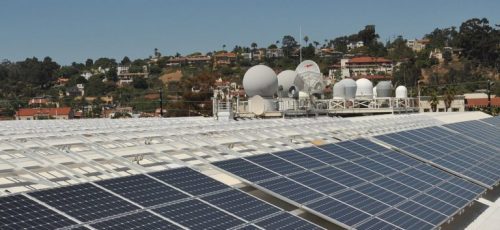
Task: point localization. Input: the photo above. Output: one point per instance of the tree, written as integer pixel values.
(316, 44)
(95, 86)
(105, 63)
(89, 62)
(254, 46)
(449, 96)
(306, 39)
(480, 41)
(125, 61)
(140, 83)
(224, 47)
(272, 46)
(288, 44)
(368, 35)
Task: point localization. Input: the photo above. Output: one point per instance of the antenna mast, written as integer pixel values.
(300, 43)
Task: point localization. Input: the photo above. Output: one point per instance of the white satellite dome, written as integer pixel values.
(307, 66)
(310, 74)
(338, 91)
(349, 86)
(290, 82)
(364, 88)
(260, 80)
(384, 89)
(401, 92)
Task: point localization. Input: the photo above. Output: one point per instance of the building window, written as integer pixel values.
(426, 110)
(455, 109)
(441, 110)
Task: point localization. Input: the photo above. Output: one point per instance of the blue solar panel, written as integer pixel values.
(241, 204)
(246, 170)
(189, 180)
(321, 155)
(291, 190)
(356, 182)
(316, 182)
(376, 224)
(141, 220)
(286, 221)
(195, 214)
(339, 211)
(85, 202)
(453, 151)
(404, 220)
(274, 164)
(19, 212)
(143, 190)
(422, 212)
(300, 159)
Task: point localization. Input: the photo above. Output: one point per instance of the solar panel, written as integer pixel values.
(143, 190)
(478, 130)
(363, 183)
(140, 220)
(195, 214)
(241, 204)
(19, 212)
(85, 202)
(189, 180)
(492, 121)
(286, 221)
(453, 152)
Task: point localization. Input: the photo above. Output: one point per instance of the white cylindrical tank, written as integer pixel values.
(338, 90)
(375, 92)
(365, 89)
(401, 92)
(384, 89)
(260, 80)
(290, 81)
(350, 88)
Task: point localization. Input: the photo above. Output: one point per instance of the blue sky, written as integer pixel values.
(71, 30)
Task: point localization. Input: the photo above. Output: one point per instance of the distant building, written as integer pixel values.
(125, 77)
(367, 67)
(41, 102)
(417, 45)
(189, 60)
(354, 45)
(75, 91)
(274, 53)
(457, 105)
(86, 75)
(224, 59)
(44, 113)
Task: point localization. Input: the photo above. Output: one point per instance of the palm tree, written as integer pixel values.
(306, 39)
(449, 96)
(434, 100)
(316, 44)
(254, 45)
(224, 47)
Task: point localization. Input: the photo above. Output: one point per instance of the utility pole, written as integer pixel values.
(161, 102)
(489, 95)
(300, 43)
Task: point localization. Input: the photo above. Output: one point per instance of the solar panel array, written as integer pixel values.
(456, 153)
(171, 199)
(493, 121)
(358, 184)
(478, 130)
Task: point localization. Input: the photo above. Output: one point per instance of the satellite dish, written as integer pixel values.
(311, 76)
(293, 92)
(258, 106)
(307, 66)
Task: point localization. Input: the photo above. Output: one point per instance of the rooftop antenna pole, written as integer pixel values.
(300, 43)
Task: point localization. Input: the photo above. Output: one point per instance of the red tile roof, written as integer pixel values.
(43, 111)
(482, 102)
(369, 60)
(229, 54)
